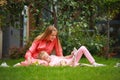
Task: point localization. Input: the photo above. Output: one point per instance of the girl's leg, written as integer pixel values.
(83, 50)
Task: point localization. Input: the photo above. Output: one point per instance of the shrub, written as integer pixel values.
(15, 52)
(80, 34)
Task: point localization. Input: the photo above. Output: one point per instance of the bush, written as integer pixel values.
(80, 34)
(15, 52)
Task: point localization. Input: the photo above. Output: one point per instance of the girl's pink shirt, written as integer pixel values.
(42, 45)
(55, 60)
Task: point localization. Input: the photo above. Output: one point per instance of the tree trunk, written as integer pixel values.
(108, 35)
(54, 16)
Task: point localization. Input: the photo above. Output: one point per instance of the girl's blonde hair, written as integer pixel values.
(42, 54)
(47, 32)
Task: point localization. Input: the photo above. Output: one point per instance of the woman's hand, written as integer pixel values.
(29, 60)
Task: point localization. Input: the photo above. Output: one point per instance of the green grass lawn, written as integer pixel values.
(108, 72)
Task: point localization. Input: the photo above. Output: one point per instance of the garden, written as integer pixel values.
(81, 22)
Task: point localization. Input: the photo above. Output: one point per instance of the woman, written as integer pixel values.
(47, 41)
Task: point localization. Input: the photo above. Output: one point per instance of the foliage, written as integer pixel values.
(10, 11)
(74, 20)
(76, 10)
(80, 35)
(37, 31)
(107, 9)
(16, 53)
(3, 2)
(2, 19)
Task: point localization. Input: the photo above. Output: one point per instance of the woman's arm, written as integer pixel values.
(31, 50)
(58, 48)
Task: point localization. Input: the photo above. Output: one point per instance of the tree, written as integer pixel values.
(67, 15)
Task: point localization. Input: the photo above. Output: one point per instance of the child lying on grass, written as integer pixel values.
(54, 60)
(70, 60)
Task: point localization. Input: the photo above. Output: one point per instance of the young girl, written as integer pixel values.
(54, 60)
(69, 61)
